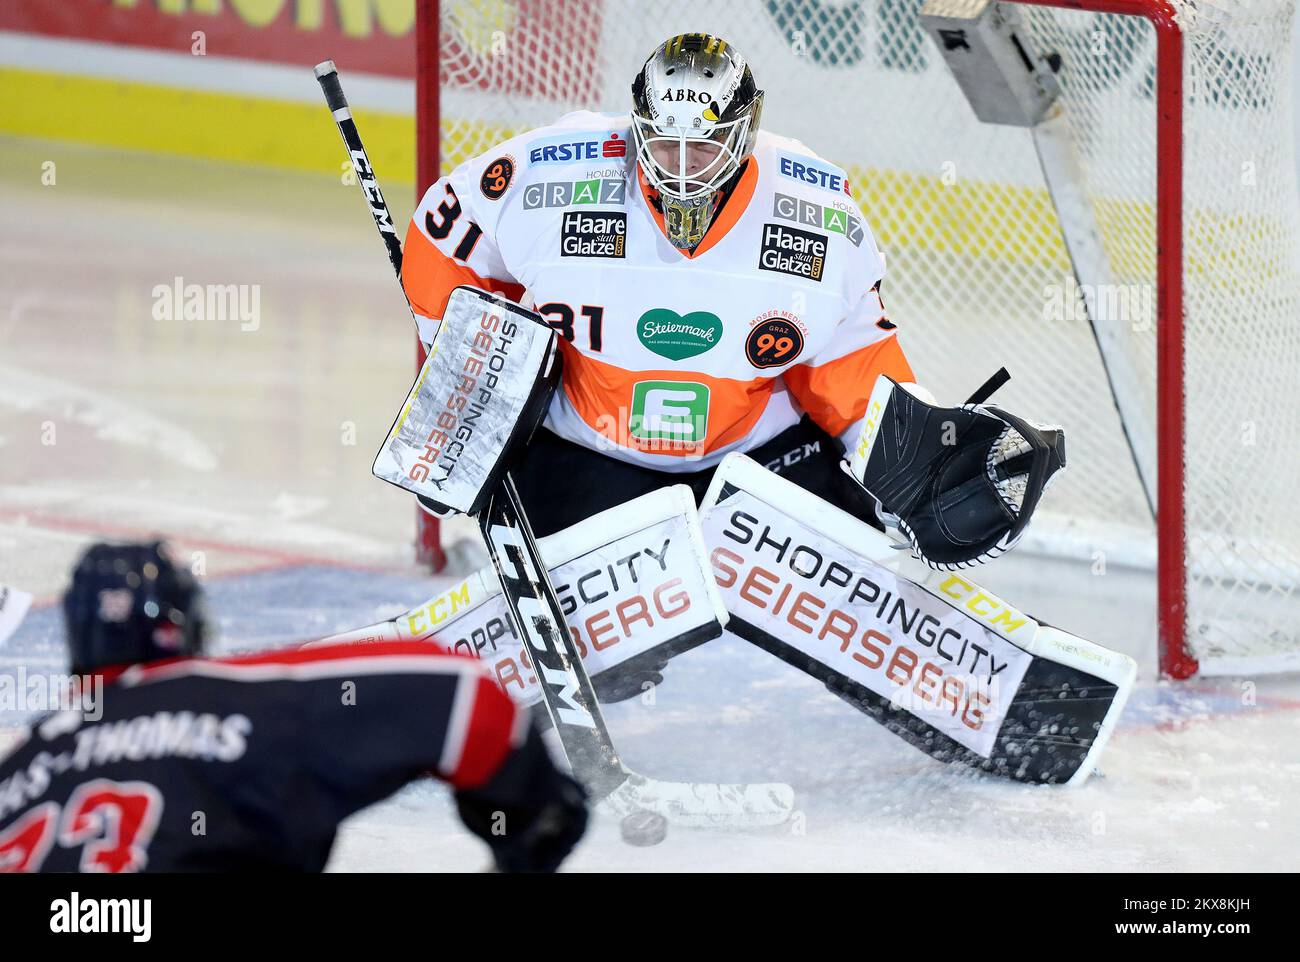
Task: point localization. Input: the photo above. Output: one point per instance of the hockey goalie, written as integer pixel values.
(737, 436)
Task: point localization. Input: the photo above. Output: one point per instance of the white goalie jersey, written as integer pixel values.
(672, 359)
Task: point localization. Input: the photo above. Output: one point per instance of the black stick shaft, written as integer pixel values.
(985, 390)
(569, 695)
(328, 76)
(567, 690)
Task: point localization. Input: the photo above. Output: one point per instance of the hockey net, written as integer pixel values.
(977, 271)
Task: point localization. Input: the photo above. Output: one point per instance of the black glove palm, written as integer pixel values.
(530, 813)
(960, 483)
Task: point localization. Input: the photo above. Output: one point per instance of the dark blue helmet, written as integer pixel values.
(130, 603)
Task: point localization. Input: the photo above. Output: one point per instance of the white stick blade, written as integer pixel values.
(704, 804)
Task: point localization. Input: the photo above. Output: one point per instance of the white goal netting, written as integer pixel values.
(977, 271)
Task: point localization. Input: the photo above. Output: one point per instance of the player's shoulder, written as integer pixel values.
(810, 193)
(572, 148)
(791, 164)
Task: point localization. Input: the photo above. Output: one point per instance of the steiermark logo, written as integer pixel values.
(678, 336)
(674, 411)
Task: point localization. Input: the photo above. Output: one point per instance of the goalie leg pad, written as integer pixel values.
(634, 586)
(946, 665)
(1048, 730)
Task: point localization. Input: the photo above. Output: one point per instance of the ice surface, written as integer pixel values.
(251, 449)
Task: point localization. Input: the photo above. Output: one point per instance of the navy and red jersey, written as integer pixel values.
(246, 763)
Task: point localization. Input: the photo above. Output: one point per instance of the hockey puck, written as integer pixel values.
(644, 828)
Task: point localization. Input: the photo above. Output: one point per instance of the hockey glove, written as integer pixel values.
(530, 813)
(960, 484)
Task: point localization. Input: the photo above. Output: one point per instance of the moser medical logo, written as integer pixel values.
(566, 193)
(670, 412)
(775, 338)
(808, 214)
(570, 149)
(677, 336)
(496, 178)
(593, 235)
(809, 173)
(793, 251)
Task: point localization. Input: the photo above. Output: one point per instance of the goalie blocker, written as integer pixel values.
(946, 665)
(479, 396)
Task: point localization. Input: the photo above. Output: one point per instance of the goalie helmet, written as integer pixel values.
(130, 603)
(695, 113)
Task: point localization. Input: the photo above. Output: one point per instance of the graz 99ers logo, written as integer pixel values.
(496, 179)
(775, 339)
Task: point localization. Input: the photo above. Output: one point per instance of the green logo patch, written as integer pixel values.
(677, 336)
(586, 192)
(670, 411)
(836, 220)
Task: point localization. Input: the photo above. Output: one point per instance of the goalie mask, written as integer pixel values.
(695, 113)
(960, 483)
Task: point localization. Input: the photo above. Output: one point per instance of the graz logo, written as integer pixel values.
(792, 251)
(597, 234)
(573, 192)
(496, 179)
(808, 214)
(775, 339)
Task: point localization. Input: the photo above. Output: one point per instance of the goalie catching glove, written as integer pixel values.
(961, 483)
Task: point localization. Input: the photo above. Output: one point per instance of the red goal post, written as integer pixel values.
(1175, 658)
(428, 162)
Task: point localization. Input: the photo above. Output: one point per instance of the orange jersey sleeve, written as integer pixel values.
(449, 243)
(833, 387)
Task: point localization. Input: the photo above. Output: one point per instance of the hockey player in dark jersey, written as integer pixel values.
(250, 763)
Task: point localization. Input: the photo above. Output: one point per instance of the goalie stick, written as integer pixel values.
(566, 688)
